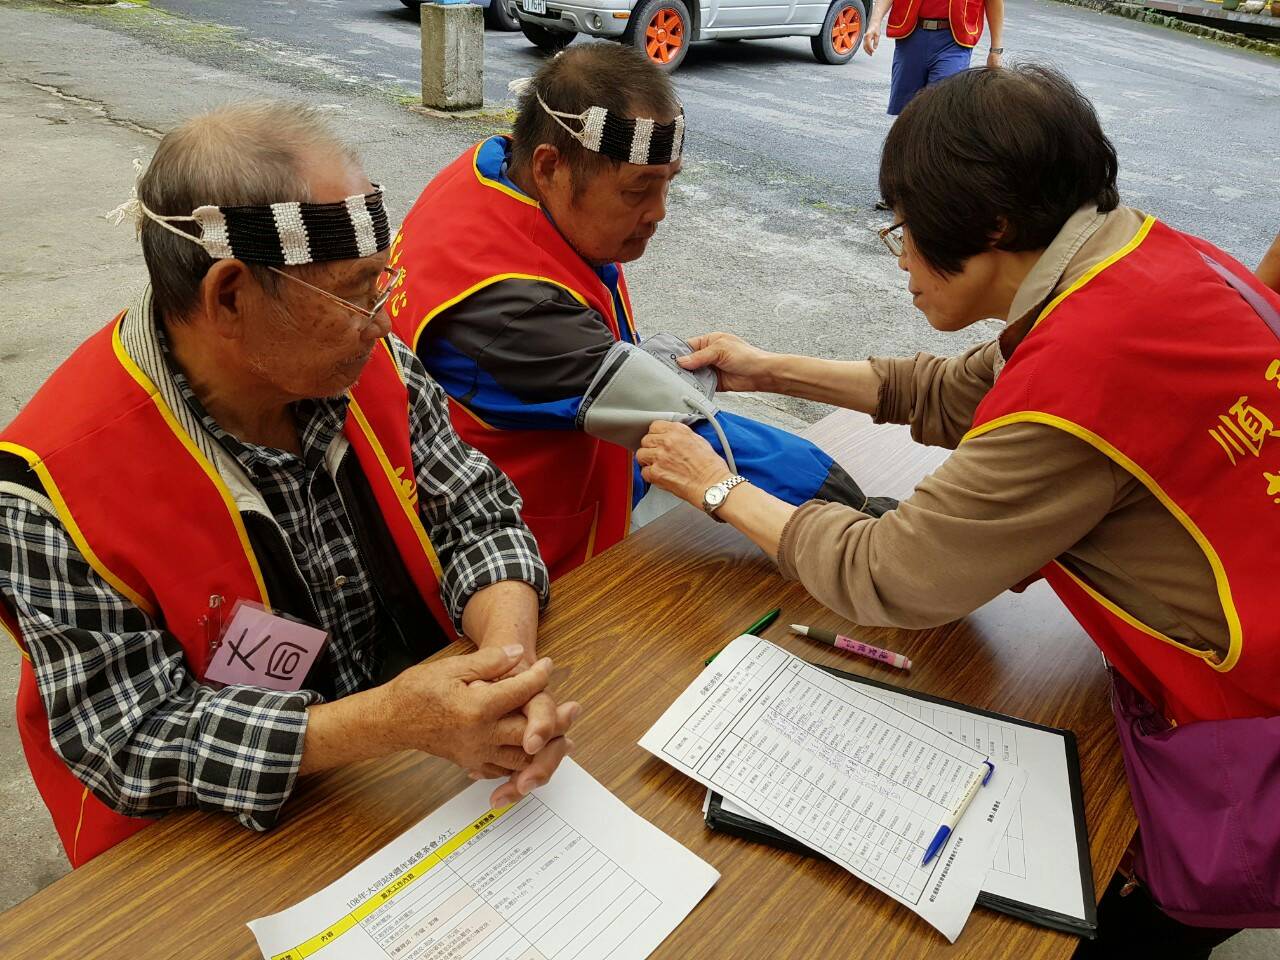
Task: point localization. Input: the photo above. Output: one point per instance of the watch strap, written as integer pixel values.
(726, 486)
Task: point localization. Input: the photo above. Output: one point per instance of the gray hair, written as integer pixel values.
(244, 154)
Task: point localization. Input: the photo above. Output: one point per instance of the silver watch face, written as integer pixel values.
(715, 496)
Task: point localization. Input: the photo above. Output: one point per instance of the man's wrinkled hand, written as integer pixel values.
(544, 741)
(738, 365)
(673, 457)
(440, 708)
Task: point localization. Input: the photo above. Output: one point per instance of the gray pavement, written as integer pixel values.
(1184, 112)
(768, 233)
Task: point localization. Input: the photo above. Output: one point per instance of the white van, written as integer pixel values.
(664, 28)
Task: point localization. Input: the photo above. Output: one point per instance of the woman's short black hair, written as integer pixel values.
(995, 158)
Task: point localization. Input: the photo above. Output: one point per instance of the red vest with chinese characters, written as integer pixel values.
(172, 537)
(1159, 364)
(464, 233)
(966, 17)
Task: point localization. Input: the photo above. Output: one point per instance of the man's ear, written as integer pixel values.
(550, 172)
(1001, 231)
(226, 293)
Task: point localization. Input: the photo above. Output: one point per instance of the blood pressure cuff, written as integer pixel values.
(636, 385)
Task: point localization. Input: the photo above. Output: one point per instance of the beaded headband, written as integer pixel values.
(638, 141)
(279, 233)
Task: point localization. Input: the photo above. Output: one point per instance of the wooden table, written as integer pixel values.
(634, 626)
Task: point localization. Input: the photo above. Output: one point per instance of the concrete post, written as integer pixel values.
(452, 56)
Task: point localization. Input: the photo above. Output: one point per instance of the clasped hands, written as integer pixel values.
(489, 712)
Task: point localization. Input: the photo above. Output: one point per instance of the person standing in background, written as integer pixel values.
(942, 45)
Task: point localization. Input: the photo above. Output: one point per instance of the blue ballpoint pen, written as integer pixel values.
(944, 832)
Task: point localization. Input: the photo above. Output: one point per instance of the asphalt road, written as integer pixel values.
(1197, 124)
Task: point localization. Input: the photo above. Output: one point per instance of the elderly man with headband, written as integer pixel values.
(245, 453)
(515, 300)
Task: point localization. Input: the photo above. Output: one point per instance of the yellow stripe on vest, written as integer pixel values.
(393, 478)
(188, 444)
(1236, 642)
(394, 362)
(1097, 268)
(73, 529)
(489, 281)
(496, 185)
(75, 844)
(12, 635)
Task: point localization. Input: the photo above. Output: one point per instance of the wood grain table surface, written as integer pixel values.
(634, 626)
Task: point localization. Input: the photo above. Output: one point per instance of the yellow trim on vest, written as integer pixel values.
(496, 185)
(473, 415)
(394, 362)
(1097, 268)
(951, 26)
(591, 535)
(410, 511)
(73, 528)
(626, 314)
(14, 637)
(193, 451)
(75, 844)
(905, 14)
(1113, 453)
(436, 311)
(1133, 621)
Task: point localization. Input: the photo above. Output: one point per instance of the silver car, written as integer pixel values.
(663, 29)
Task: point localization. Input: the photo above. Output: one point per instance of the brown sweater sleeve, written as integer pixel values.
(935, 395)
(1000, 507)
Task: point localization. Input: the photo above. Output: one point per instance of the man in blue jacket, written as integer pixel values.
(514, 298)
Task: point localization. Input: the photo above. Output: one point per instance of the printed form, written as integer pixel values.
(1037, 861)
(567, 873)
(865, 784)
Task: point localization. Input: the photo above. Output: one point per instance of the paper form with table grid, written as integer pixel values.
(1036, 862)
(567, 873)
(848, 774)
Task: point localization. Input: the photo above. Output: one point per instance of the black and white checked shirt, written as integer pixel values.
(124, 713)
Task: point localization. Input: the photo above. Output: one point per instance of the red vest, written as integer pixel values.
(464, 233)
(966, 16)
(171, 537)
(1155, 361)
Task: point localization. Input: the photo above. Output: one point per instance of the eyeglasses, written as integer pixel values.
(892, 237)
(386, 284)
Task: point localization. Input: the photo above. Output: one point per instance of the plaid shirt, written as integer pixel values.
(124, 713)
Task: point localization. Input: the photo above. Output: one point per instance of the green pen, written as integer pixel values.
(754, 630)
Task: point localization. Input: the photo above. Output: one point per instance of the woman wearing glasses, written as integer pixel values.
(1119, 437)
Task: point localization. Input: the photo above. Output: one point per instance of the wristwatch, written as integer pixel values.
(715, 496)
(997, 50)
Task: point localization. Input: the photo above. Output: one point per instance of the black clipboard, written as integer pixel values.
(727, 822)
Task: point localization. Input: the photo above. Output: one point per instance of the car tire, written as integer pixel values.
(662, 30)
(841, 32)
(498, 17)
(546, 39)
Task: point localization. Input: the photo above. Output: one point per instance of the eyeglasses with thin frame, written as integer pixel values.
(391, 276)
(892, 237)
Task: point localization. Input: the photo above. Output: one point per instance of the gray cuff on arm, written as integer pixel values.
(637, 385)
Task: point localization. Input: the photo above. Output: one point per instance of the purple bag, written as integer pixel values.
(1207, 797)
(1207, 794)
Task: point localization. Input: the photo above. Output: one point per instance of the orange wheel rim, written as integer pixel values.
(846, 30)
(664, 36)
